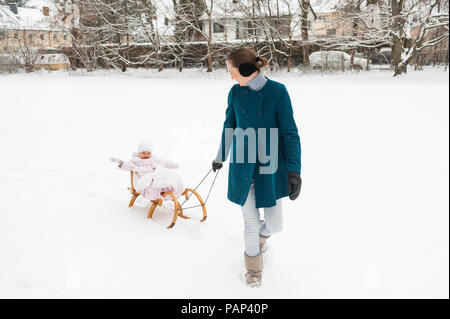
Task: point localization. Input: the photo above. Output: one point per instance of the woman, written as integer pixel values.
(261, 107)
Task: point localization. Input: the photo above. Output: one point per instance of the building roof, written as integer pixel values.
(27, 18)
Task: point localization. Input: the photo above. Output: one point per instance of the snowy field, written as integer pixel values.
(371, 222)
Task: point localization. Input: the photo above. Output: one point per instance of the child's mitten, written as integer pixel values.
(116, 160)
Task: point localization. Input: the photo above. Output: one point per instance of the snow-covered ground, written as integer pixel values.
(371, 222)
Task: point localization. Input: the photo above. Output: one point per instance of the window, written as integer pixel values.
(248, 29)
(218, 28)
(42, 36)
(16, 35)
(31, 37)
(331, 31)
(65, 37)
(166, 21)
(3, 34)
(55, 37)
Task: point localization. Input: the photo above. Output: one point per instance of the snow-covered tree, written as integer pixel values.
(25, 52)
(305, 9)
(276, 28)
(122, 33)
(413, 23)
(360, 27)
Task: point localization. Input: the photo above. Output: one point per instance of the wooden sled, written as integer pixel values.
(178, 210)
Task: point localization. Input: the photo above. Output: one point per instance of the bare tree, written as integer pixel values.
(422, 16)
(305, 8)
(24, 51)
(360, 25)
(127, 33)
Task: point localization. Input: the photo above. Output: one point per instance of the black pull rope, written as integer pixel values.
(210, 189)
(214, 180)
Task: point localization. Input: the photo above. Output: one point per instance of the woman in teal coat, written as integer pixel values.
(265, 164)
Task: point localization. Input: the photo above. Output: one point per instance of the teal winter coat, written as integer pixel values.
(269, 107)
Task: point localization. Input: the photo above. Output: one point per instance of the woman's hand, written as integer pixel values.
(216, 165)
(294, 185)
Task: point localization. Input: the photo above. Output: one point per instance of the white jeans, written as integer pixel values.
(253, 227)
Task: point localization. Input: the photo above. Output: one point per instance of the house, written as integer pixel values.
(29, 27)
(334, 23)
(230, 21)
(330, 25)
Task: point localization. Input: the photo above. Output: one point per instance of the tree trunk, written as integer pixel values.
(368, 51)
(209, 52)
(74, 43)
(397, 43)
(289, 59)
(305, 34)
(352, 58)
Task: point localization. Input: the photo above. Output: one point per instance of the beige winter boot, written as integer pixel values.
(254, 266)
(262, 243)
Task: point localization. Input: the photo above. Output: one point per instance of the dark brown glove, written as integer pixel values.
(294, 185)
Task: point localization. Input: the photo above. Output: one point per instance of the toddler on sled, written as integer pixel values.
(155, 179)
(152, 175)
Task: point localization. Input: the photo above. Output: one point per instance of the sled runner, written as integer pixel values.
(178, 210)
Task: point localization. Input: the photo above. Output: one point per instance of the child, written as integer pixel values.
(154, 175)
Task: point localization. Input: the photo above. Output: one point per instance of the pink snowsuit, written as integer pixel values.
(154, 176)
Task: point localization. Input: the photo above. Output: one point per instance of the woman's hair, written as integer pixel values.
(246, 60)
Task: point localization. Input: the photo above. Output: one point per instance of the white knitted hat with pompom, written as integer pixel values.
(145, 146)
